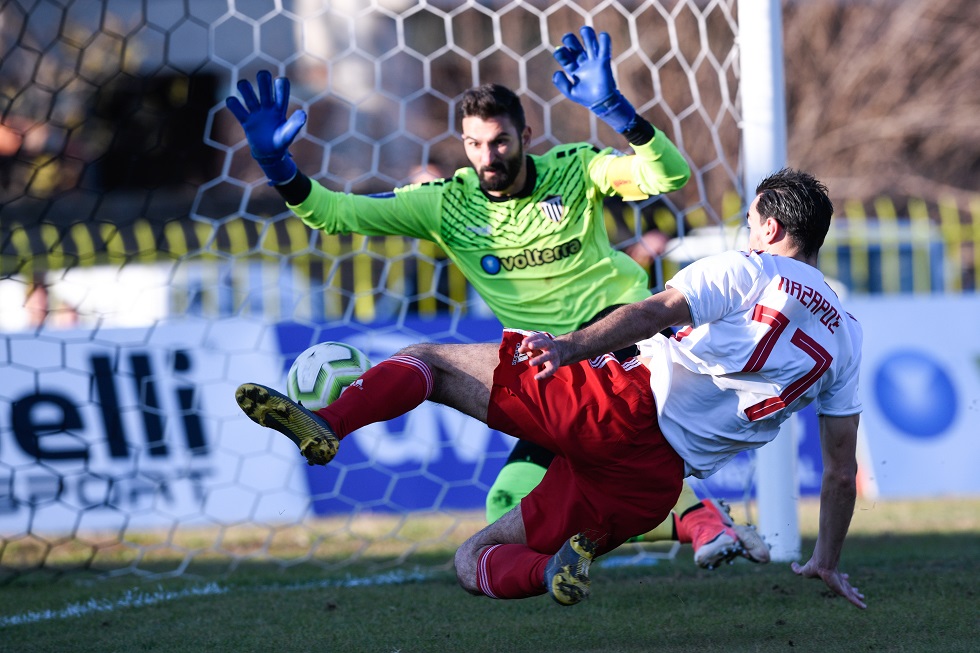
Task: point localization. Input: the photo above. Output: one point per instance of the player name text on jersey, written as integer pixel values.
(813, 301)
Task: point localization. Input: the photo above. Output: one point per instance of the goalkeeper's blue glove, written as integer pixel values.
(268, 131)
(586, 78)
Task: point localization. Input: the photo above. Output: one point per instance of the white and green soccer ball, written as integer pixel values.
(318, 375)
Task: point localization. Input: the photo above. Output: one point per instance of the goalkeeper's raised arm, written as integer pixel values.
(586, 78)
(268, 130)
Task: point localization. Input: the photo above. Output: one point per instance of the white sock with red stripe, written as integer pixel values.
(391, 388)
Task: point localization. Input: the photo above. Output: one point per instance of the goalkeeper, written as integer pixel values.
(526, 231)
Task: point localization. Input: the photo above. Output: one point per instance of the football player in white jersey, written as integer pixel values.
(764, 336)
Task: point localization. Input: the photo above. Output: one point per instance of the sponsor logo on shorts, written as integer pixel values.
(530, 258)
(518, 356)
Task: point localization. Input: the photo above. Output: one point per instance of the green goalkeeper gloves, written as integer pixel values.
(268, 131)
(586, 78)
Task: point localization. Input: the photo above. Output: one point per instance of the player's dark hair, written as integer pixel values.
(491, 101)
(800, 203)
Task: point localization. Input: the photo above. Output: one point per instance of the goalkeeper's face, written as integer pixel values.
(496, 151)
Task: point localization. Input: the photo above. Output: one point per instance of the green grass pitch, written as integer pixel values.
(917, 562)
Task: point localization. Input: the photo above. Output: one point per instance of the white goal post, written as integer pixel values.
(763, 102)
(146, 268)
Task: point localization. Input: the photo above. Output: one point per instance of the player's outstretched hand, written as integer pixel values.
(834, 579)
(268, 131)
(544, 352)
(586, 77)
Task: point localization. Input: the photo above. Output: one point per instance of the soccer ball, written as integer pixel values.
(318, 375)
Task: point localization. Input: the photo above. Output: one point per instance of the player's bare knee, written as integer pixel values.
(435, 358)
(424, 351)
(466, 561)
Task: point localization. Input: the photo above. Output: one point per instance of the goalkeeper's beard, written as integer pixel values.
(506, 172)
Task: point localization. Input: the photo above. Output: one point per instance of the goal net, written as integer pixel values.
(146, 268)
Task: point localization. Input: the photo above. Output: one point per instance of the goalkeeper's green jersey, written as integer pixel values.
(541, 259)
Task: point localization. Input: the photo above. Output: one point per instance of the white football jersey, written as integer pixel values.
(769, 336)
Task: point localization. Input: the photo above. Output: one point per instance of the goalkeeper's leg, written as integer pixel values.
(524, 469)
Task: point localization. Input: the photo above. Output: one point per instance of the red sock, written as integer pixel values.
(389, 389)
(511, 571)
(702, 523)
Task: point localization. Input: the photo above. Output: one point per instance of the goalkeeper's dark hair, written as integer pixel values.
(800, 203)
(491, 101)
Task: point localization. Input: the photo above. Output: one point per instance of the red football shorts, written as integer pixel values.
(614, 476)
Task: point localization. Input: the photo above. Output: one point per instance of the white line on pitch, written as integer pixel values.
(135, 598)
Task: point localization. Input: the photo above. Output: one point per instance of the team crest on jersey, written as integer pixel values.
(553, 208)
